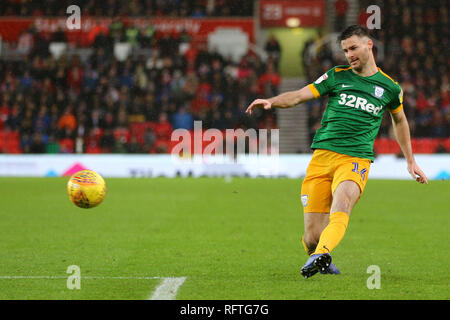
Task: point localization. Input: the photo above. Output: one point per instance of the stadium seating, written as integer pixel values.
(96, 90)
(129, 96)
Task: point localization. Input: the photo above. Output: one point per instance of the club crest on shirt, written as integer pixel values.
(379, 91)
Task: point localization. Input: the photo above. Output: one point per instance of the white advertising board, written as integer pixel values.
(285, 165)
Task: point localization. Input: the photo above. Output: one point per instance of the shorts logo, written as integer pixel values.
(379, 92)
(304, 200)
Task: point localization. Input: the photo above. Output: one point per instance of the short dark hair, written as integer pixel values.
(354, 30)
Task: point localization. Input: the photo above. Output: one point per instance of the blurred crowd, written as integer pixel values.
(415, 36)
(104, 105)
(132, 8)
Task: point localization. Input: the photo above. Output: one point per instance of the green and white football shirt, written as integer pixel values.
(354, 110)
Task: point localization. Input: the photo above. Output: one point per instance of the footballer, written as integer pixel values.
(358, 96)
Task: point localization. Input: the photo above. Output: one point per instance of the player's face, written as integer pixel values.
(357, 51)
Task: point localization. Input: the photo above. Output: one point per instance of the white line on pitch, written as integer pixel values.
(168, 288)
(82, 277)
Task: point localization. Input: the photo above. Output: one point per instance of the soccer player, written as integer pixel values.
(358, 95)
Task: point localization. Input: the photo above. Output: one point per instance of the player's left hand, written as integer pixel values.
(417, 173)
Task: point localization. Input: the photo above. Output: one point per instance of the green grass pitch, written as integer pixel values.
(232, 240)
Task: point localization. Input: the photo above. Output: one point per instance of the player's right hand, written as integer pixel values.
(258, 103)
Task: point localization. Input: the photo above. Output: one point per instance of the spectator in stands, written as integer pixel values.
(9, 84)
(75, 78)
(90, 77)
(42, 121)
(120, 145)
(66, 142)
(202, 95)
(132, 35)
(134, 146)
(4, 114)
(107, 141)
(163, 128)
(198, 12)
(52, 145)
(126, 78)
(182, 119)
(59, 36)
(439, 125)
(25, 43)
(140, 78)
(149, 140)
(101, 39)
(67, 120)
(14, 119)
(41, 45)
(26, 142)
(26, 123)
(147, 36)
(341, 8)
(273, 49)
(25, 80)
(91, 143)
(269, 82)
(37, 144)
(116, 28)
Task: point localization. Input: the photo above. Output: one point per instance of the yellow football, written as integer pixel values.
(86, 189)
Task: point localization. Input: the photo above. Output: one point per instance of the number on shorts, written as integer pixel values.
(363, 171)
(363, 174)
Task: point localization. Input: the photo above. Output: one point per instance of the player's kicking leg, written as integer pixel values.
(315, 223)
(344, 198)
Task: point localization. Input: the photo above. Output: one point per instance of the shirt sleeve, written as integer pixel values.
(323, 85)
(396, 104)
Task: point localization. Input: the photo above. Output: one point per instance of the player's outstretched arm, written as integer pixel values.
(284, 100)
(401, 130)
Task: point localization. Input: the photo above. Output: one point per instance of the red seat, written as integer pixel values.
(137, 129)
(446, 144)
(122, 133)
(94, 148)
(161, 146)
(3, 136)
(15, 149)
(66, 145)
(98, 134)
(424, 145)
(11, 142)
(386, 145)
(14, 135)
